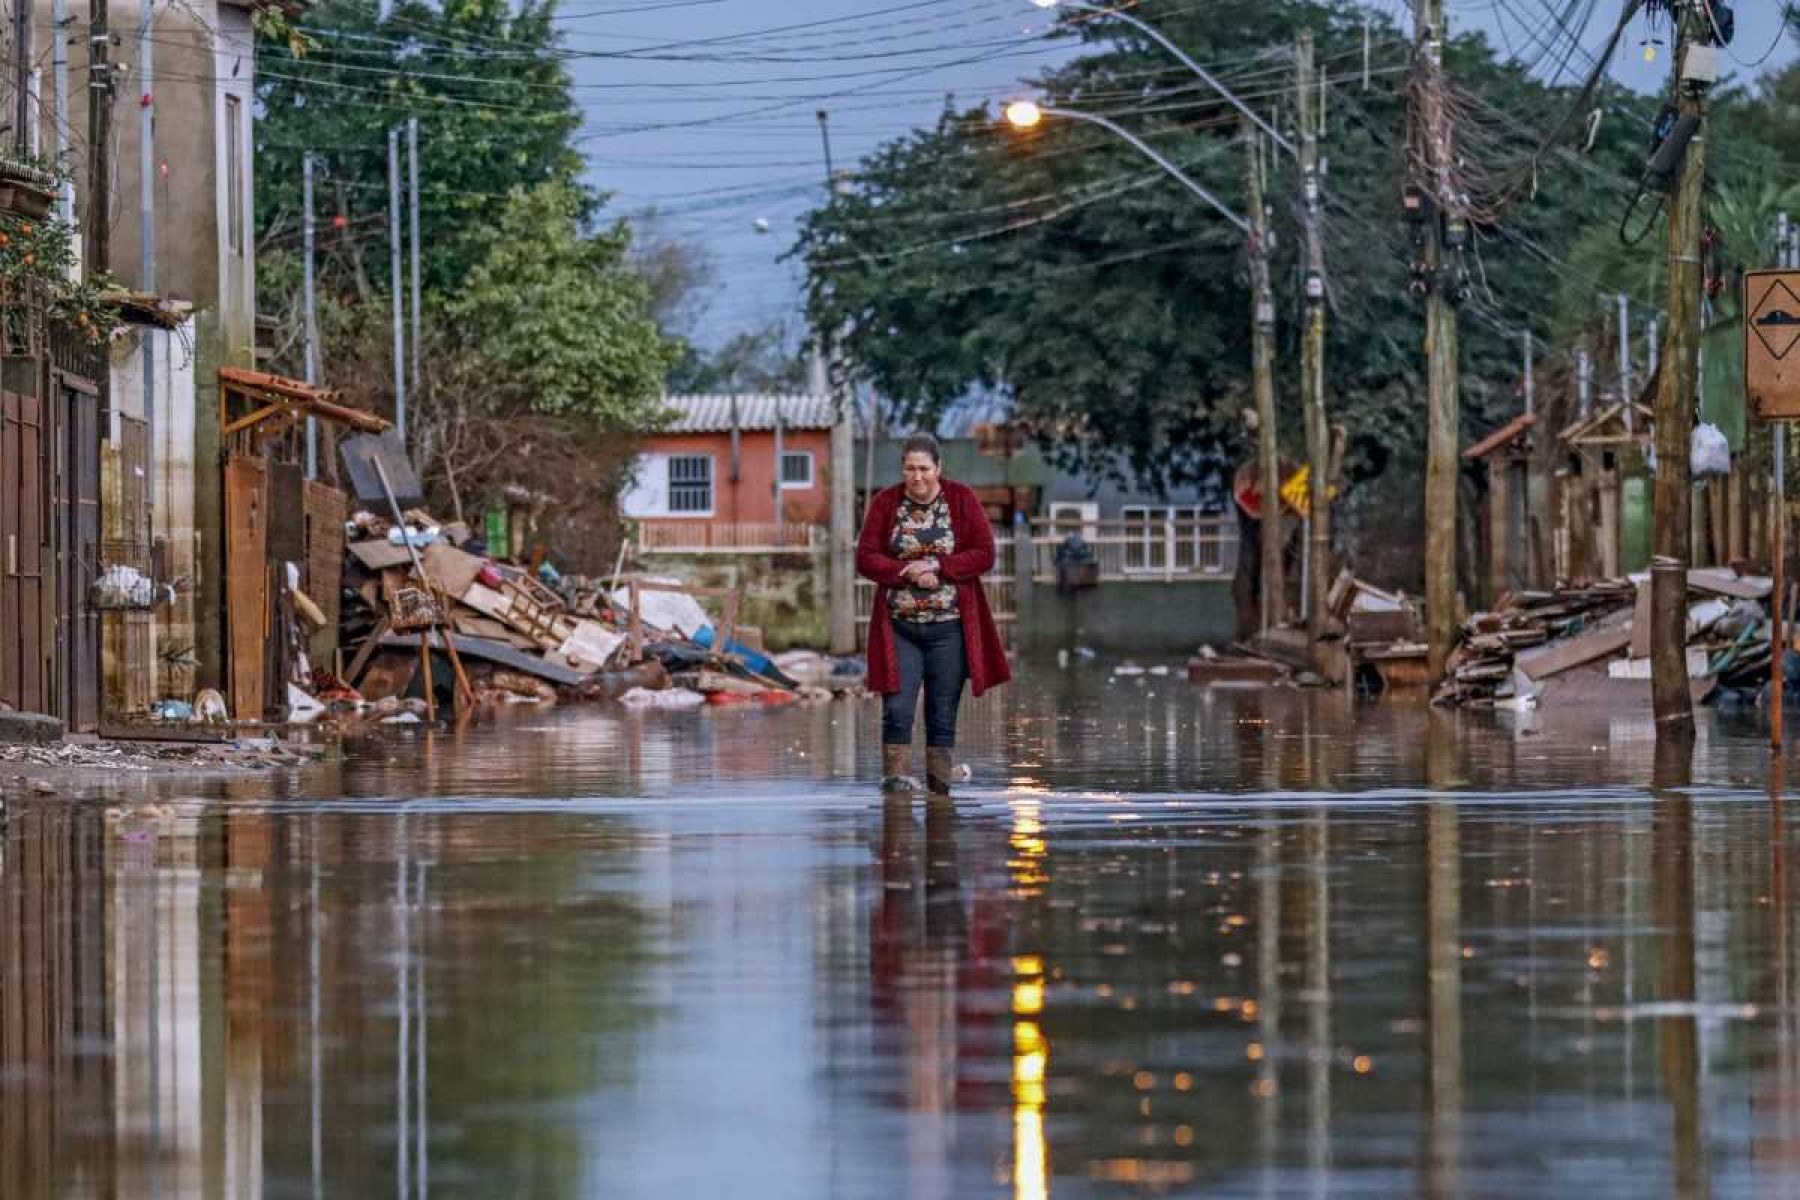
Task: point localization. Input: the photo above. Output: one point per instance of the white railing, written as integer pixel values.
(1142, 550)
(701, 536)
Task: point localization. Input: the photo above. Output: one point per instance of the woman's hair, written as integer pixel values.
(921, 443)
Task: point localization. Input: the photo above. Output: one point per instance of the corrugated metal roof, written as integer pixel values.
(754, 411)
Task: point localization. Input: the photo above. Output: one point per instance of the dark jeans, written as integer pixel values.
(931, 654)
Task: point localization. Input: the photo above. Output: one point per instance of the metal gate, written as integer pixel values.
(26, 610)
(76, 497)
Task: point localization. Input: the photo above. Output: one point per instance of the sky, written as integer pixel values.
(704, 110)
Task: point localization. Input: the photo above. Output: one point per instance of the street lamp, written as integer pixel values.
(1028, 114)
(1154, 34)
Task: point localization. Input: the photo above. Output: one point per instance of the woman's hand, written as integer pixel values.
(927, 580)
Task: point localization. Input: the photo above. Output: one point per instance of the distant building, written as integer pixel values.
(715, 464)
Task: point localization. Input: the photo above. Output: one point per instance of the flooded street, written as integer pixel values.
(1167, 941)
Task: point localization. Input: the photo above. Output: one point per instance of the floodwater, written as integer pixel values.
(1168, 941)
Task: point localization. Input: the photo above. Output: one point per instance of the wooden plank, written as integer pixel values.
(494, 652)
(378, 554)
(1577, 651)
(450, 569)
(1730, 583)
(246, 583)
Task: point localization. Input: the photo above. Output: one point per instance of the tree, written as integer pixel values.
(760, 360)
(559, 314)
(495, 109)
(1063, 267)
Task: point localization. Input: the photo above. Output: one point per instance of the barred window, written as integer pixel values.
(690, 483)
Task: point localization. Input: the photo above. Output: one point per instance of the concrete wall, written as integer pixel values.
(172, 497)
(1143, 620)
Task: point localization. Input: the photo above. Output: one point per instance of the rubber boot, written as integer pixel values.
(896, 769)
(937, 770)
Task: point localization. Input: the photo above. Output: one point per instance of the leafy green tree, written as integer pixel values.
(495, 108)
(1065, 268)
(559, 314)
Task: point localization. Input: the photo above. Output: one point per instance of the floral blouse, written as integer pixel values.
(923, 531)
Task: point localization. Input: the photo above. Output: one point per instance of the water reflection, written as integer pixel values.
(1230, 943)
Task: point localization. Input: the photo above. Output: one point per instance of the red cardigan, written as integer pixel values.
(974, 556)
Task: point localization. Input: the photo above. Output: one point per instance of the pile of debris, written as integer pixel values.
(1592, 642)
(434, 618)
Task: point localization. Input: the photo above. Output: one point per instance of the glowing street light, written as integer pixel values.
(1023, 114)
(1156, 35)
(1028, 114)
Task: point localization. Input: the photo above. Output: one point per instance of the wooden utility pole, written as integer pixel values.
(1273, 586)
(1675, 393)
(1442, 400)
(1309, 102)
(99, 176)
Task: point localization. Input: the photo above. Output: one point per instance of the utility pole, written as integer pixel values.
(1625, 394)
(99, 175)
(841, 622)
(399, 299)
(412, 203)
(1675, 391)
(146, 39)
(1308, 100)
(1442, 464)
(1262, 383)
(1584, 383)
(312, 313)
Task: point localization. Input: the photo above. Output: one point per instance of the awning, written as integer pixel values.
(276, 403)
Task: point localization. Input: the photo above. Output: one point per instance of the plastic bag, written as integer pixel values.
(1710, 453)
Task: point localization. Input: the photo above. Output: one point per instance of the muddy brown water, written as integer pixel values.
(1168, 941)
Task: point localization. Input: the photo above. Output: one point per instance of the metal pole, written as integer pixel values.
(1530, 396)
(398, 299)
(307, 235)
(1651, 348)
(1584, 382)
(59, 60)
(412, 201)
(1308, 100)
(1151, 153)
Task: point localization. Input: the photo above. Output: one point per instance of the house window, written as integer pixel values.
(234, 174)
(690, 484)
(796, 469)
(1147, 542)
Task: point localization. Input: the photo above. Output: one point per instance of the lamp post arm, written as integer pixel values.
(1155, 156)
(1156, 35)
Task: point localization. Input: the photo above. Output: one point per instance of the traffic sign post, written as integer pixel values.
(1772, 381)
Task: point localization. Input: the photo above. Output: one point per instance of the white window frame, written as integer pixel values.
(1144, 553)
(793, 485)
(676, 485)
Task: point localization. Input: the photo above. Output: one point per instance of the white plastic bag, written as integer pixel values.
(1710, 453)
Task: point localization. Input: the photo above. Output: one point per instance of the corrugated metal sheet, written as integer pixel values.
(713, 413)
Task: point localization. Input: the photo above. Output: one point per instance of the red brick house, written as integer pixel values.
(708, 477)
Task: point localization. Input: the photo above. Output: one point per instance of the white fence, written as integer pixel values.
(1142, 550)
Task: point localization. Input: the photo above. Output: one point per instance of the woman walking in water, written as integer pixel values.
(926, 544)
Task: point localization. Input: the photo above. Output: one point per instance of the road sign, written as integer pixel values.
(1772, 344)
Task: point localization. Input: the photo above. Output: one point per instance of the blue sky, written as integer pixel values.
(711, 120)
